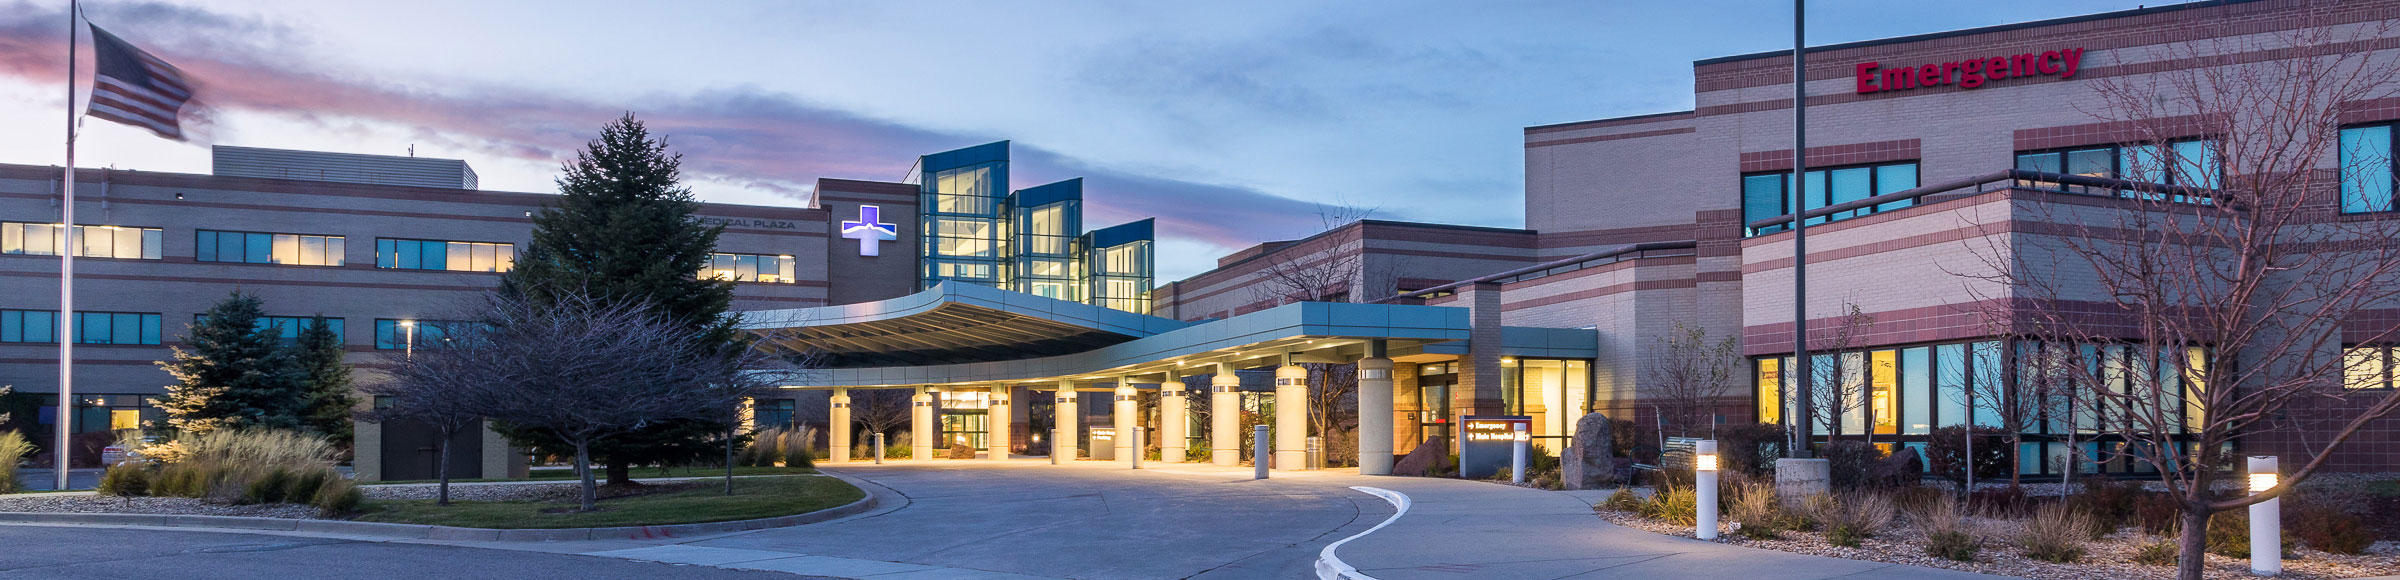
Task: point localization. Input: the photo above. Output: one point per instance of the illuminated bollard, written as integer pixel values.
(1516, 458)
(2266, 519)
(1704, 476)
(879, 449)
(1259, 450)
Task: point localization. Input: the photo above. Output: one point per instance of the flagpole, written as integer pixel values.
(66, 281)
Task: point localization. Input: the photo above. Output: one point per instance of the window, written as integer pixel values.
(401, 334)
(264, 248)
(288, 327)
(2367, 176)
(2367, 367)
(749, 268)
(2189, 162)
(90, 327)
(445, 255)
(34, 239)
(28, 326)
(1766, 195)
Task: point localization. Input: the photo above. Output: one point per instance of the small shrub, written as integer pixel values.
(13, 448)
(2008, 502)
(1852, 463)
(2229, 534)
(1858, 517)
(2157, 514)
(2322, 524)
(2056, 533)
(1749, 449)
(1676, 505)
(338, 497)
(1623, 500)
(2159, 553)
(129, 479)
(2111, 503)
(269, 488)
(1946, 453)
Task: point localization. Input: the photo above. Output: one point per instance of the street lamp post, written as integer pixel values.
(409, 347)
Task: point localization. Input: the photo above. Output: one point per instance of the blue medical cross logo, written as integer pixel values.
(869, 229)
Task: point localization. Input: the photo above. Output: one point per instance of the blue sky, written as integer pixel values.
(1232, 121)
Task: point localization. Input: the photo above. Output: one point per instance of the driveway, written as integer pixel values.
(32, 552)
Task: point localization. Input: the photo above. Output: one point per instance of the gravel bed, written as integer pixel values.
(98, 504)
(2110, 557)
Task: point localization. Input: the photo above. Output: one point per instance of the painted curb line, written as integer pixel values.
(1331, 567)
(867, 502)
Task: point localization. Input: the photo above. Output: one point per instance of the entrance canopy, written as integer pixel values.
(962, 334)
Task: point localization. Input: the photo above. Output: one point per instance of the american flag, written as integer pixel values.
(131, 87)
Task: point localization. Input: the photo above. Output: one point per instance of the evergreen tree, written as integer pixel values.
(623, 229)
(317, 360)
(232, 372)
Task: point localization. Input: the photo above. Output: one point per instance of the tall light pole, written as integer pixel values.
(1799, 184)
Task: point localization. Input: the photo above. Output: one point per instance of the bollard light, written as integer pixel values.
(1516, 458)
(1704, 492)
(2266, 519)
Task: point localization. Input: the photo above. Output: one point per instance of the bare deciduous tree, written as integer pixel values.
(585, 370)
(2193, 315)
(880, 411)
(439, 387)
(1692, 375)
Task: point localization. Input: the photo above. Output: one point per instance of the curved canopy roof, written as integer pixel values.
(949, 324)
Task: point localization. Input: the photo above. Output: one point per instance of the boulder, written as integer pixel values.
(1430, 459)
(1590, 462)
(961, 452)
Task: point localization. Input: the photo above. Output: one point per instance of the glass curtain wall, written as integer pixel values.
(961, 202)
(1119, 266)
(1044, 221)
(1898, 396)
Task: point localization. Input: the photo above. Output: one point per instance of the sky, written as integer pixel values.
(1233, 122)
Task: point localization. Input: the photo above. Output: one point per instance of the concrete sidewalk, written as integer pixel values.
(1471, 529)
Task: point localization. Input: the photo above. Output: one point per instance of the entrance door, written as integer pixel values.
(964, 427)
(1434, 398)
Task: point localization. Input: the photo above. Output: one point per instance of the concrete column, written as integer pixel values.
(921, 427)
(1173, 420)
(995, 424)
(1063, 417)
(1127, 415)
(1291, 417)
(1225, 417)
(1375, 416)
(837, 428)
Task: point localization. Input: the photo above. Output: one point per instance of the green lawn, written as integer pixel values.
(638, 473)
(753, 498)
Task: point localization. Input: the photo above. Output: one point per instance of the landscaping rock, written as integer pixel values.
(1589, 462)
(1430, 459)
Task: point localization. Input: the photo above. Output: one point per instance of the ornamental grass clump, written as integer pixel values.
(1759, 512)
(13, 447)
(1858, 516)
(2056, 533)
(1680, 505)
(245, 466)
(1623, 500)
(1944, 524)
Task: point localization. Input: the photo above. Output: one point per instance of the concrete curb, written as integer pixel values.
(427, 532)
